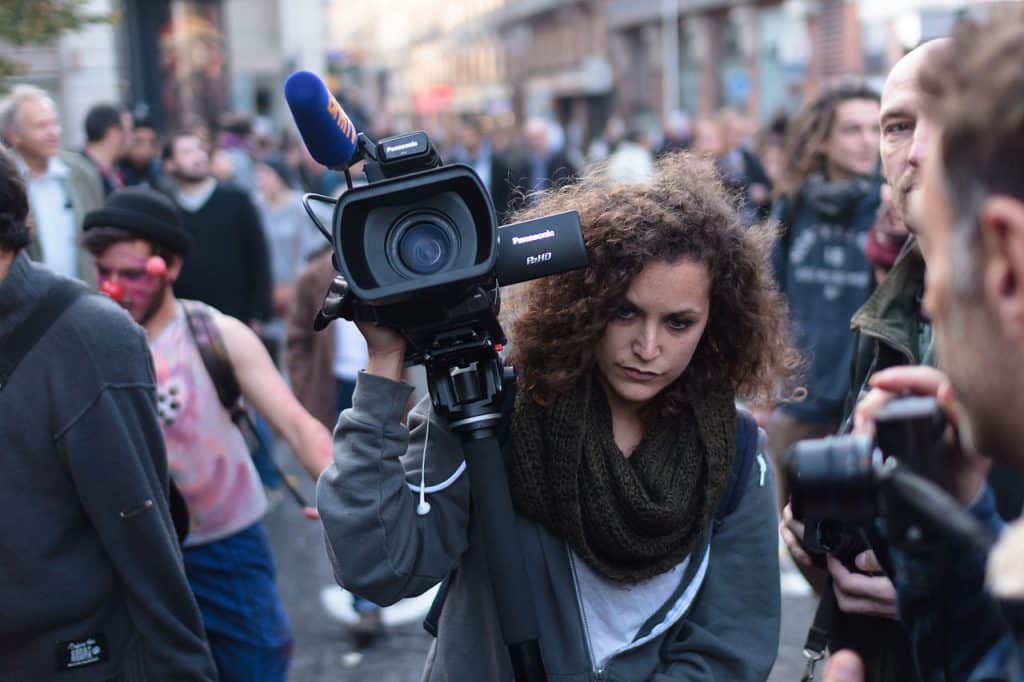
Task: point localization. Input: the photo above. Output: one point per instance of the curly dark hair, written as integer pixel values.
(683, 212)
(14, 231)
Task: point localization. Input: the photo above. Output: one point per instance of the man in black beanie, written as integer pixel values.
(140, 246)
(93, 586)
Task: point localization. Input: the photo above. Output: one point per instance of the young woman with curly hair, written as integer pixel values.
(646, 513)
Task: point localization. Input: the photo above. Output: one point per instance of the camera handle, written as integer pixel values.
(932, 503)
(465, 382)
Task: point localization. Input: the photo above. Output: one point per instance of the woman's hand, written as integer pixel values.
(385, 349)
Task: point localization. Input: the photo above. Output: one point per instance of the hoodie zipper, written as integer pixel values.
(598, 672)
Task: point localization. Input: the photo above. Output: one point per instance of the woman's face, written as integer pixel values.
(652, 336)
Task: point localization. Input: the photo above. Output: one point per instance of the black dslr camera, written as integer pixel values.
(835, 482)
(418, 248)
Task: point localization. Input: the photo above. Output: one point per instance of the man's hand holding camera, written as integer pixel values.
(968, 470)
(867, 592)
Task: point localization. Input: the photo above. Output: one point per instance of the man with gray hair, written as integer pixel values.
(61, 186)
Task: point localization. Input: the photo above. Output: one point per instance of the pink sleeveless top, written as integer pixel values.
(206, 453)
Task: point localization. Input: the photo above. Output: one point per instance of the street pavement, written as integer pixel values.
(324, 652)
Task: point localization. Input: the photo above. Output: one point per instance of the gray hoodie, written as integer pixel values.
(720, 623)
(91, 581)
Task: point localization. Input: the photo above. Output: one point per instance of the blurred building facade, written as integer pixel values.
(583, 61)
(179, 61)
(422, 63)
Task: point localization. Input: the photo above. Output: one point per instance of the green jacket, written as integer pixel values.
(889, 328)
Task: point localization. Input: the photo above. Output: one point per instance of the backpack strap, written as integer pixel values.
(746, 453)
(218, 365)
(215, 356)
(26, 335)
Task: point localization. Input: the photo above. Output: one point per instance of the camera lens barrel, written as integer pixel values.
(424, 244)
(832, 478)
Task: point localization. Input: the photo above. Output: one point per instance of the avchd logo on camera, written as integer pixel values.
(536, 237)
(539, 258)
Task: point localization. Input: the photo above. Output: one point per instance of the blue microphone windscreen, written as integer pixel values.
(328, 133)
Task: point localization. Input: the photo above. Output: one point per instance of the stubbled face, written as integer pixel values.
(852, 146)
(651, 338)
(969, 344)
(190, 160)
(906, 134)
(124, 263)
(36, 132)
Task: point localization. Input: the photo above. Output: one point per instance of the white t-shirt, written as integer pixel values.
(614, 613)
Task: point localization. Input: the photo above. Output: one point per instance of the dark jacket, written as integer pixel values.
(959, 630)
(503, 181)
(228, 265)
(89, 550)
(889, 330)
(558, 170)
(722, 622)
(822, 271)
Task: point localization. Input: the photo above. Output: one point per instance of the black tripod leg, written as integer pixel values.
(492, 504)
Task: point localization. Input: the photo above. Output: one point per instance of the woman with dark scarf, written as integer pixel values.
(623, 443)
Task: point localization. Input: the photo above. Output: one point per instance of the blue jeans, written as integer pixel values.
(233, 583)
(343, 401)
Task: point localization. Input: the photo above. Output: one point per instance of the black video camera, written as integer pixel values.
(418, 248)
(835, 481)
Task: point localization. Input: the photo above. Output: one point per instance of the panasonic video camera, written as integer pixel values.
(418, 248)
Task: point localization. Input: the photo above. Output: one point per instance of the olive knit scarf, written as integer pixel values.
(629, 518)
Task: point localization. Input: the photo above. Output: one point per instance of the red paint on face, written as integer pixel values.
(122, 269)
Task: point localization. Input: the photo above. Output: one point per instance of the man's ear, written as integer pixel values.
(1001, 222)
(174, 263)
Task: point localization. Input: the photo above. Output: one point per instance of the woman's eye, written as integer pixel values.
(679, 325)
(625, 312)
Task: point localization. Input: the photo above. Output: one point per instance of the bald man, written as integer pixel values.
(890, 330)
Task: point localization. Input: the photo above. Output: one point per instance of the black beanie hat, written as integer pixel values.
(144, 212)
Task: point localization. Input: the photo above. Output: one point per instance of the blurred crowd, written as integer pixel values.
(839, 182)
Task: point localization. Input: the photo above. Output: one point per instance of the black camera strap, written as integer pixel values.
(817, 636)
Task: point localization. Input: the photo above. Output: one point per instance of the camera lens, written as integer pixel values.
(425, 248)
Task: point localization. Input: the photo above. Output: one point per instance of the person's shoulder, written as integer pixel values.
(98, 322)
(77, 162)
(97, 341)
